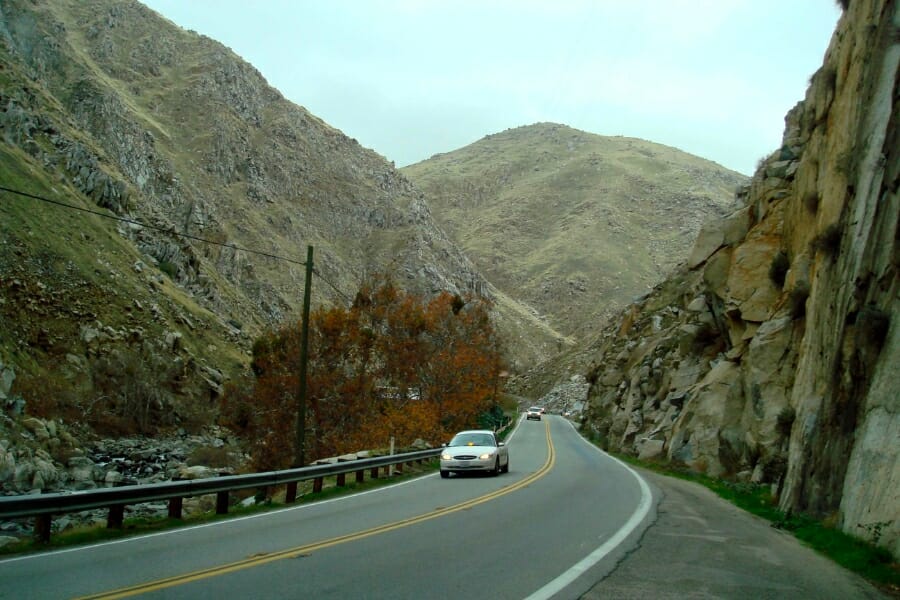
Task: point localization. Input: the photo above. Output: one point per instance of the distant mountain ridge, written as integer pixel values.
(572, 223)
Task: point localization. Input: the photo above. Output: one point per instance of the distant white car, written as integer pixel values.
(534, 413)
(474, 450)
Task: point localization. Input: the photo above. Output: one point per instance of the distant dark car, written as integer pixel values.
(534, 413)
(474, 450)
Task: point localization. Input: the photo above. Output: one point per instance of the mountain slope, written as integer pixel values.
(108, 107)
(572, 223)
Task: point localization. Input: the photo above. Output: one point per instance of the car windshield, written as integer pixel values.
(472, 439)
(534, 409)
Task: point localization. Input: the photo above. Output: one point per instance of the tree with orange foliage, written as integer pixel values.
(392, 365)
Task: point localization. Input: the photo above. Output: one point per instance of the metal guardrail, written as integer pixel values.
(44, 506)
(505, 427)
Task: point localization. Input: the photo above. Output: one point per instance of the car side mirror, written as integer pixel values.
(501, 444)
(444, 445)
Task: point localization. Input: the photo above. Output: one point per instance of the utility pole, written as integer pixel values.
(300, 441)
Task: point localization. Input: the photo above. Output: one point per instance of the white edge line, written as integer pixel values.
(187, 528)
(179, 530)
(579, 568)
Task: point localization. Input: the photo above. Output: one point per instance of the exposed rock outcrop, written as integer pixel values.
(41, 455)
(567, 397)
(771, 355)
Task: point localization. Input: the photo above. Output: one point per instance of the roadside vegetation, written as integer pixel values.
(868, 560)
(392, 365)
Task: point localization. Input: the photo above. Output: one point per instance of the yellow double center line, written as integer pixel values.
(258, 560)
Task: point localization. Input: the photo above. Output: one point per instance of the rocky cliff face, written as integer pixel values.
(772, 354)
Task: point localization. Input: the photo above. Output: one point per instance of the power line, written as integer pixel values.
(332, 286)
(172, 231)
(148, 226)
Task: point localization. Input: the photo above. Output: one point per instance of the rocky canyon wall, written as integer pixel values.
(771, 355)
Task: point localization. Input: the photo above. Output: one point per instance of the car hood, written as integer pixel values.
(468, 450)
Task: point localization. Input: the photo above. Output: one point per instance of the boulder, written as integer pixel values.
(113, 478)
(749, 285)
(716, 404)
(6, 540)
(23, 476)
(716, 272)
(720, 232)
(651, 449)
(698, 304)
(37, 427)
(44, 475)
(195, 472)
(83, 472)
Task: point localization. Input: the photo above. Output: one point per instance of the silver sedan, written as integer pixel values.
(474, 450)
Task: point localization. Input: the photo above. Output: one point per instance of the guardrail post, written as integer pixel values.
(398, 468)
(175, 505)
(116, 516)
(222, 503)
(174, 492)
(42, 528)
(290, 492)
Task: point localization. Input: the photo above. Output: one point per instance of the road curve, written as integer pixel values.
(553, 526)
(701, 546)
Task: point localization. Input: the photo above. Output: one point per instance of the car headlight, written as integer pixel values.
(486, 456)
(446, 456)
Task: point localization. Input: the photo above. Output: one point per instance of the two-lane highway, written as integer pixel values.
(555, 524)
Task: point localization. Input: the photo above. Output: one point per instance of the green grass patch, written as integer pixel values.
(857, 555)
(88, 534)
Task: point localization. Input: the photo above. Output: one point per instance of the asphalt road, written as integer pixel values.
(567, 521)
(556, 523)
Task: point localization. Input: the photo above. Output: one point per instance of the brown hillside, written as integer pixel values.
(108, 107)
(573, 224)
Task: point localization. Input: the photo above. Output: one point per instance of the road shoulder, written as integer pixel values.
(704, 547)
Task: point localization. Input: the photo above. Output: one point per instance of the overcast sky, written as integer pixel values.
(412, 78)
